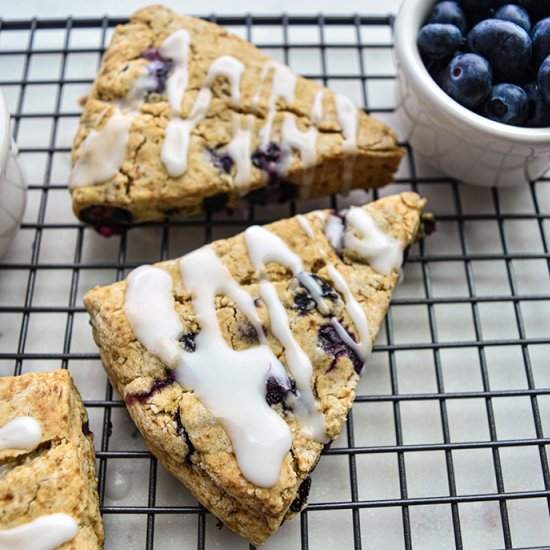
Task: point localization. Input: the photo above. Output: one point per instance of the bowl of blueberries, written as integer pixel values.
(473, 87)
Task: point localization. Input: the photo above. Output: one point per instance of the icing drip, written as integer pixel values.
(102, 152)
(357, 314)
(176, 47)
(149, 306)
(263, 247)
(23, 433)
(334, 231)
(239, 151)
(230, 383)
(305, 225)
(177, 133)
(383, 253)
(232, 69)
(305, 408)
(283, 84)
(317, 107)
(305, 143)
(348, 118)
(43, 533)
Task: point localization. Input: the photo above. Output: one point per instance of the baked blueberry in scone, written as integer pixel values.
(48, 484)
(238, 362)
(185, 117)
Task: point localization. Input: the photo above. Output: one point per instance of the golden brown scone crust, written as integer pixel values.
(182, 433)
(59, 476)
(142, 186)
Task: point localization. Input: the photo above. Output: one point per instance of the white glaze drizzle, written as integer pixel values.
(176, 48)
(239, 151)
(149, 306)
(231, 383)
(43, 533)
(334, 231)
(305, 407)
(305, 225)
(364, 237)
(176, 137)
(102, 152)
(232, 69)
(264, 247)
(348, 118)
(363, 346)
(283, 85)
(317, 107)
(21, 433)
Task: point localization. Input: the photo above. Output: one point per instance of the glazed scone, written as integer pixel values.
(48, 484)
(185, 117)
(238, 362)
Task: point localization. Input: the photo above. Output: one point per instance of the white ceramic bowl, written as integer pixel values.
(458, 142)
(12, 183)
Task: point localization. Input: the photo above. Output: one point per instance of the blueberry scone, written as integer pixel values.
(48, 484)
(238, 362)
(185, 117)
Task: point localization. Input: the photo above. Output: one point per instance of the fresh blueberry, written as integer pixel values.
(505, 45)
(268, 158)
(153, 54)
(516, 14)
(303, 493)
(247, 332)
(188, 341)
(221, 161)
(541, 40)
(107, 220)
(157, 385)
(449, 12)
(332, 344)
(508, 104)
(543, 80)
(439, 40)
(538, 110)
(468, 79)
(160, 70)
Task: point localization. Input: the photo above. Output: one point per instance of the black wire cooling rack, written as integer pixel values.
(447, 445)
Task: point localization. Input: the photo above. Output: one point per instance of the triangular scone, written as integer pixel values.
(211, 351)
(185, 117)
(48, 482)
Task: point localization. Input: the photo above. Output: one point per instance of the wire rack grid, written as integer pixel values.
(447, 445)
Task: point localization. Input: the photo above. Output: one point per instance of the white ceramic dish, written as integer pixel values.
(457, 141)
(12, 183)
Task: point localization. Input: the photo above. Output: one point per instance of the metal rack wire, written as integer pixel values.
(53, 250)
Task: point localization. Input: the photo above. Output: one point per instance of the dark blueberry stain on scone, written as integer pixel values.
(276, 190)
(304, 301)
(159, 68)
(332, 344)
(188, 341)
(182, 432)
(157, 385)
(275, 393)
(221, 161)
(303, 493)
(247, 332)
(107, 220)
(268, 158)
(86, 428)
